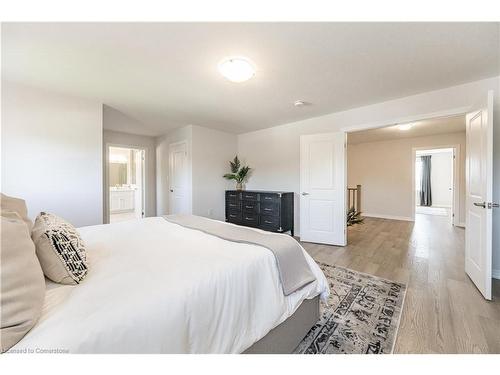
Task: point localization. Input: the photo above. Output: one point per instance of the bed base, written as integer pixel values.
(284, 338)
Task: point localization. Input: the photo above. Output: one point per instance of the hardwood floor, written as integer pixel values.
(443, 311)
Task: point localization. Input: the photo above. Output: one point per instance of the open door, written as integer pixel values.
(323, 188)
(479, 190)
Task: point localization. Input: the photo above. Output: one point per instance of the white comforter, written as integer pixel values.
(156, 287)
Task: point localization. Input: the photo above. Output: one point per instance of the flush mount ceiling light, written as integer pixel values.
(237, 69)
(300, 103)
(405, 127)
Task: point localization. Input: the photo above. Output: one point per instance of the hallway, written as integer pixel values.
(443, 311)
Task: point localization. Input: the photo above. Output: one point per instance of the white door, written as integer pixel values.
(479, 189)
(322, 188)
(179, 195)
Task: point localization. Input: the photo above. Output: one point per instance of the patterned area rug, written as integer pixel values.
(362, 316)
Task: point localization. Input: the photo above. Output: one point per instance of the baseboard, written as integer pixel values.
(495, 274)
(390, 217)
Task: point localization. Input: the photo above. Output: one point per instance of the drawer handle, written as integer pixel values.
(232, 215)
(268, 222)
(232, 195)
(248, 218)
(248, 196)
(268, 198)
(233, 205)
(268, 209)
(248, 206)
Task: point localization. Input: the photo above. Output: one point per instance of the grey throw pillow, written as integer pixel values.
(60, 249)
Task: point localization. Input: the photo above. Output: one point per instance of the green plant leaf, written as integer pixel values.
(354, 217)
(230, 176)
(243, 173)
(235, 164)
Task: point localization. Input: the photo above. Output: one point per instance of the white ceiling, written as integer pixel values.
(165, 74)
(442, 125)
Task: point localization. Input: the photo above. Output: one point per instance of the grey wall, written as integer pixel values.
(212, 150)
(209, 152)
(52, 152)
(496, 189)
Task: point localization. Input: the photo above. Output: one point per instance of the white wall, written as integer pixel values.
(274, 152)
(139, 141)
(442, 180)
(212, 150)
(385, 172)
(52, 153)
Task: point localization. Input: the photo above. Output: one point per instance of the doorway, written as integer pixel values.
(125, 183)
(436, 182)
(382, 167)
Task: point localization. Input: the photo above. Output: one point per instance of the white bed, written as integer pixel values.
(156, 287)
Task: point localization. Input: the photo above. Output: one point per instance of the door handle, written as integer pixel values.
(304, 193)
(483, 205)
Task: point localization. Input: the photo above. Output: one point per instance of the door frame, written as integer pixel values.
(401, 120)
(456, 181)
(106, 194)
(188, 150)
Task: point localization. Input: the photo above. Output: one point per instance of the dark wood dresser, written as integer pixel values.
(268, 210)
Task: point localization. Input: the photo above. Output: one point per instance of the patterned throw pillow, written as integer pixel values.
(60, 249)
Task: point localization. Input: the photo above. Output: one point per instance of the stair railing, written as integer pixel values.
(354, 198)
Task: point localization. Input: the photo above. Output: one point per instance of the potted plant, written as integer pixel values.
(238, 174)
(354, 217)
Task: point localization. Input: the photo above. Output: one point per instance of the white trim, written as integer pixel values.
(390, 217)
(495, 274)
(106, 192)
(403, 120)
(455, 209)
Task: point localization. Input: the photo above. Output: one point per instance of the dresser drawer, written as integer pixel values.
(270, 208)
(233, 205)
(269, 197)
(234, 216)
(249, 196)
(250, 207)
(251, 219)
(271, 223)
(233, 196)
